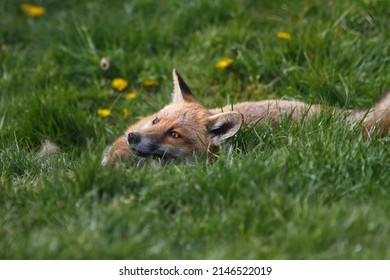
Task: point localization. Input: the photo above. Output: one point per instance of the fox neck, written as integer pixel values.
(270, 110)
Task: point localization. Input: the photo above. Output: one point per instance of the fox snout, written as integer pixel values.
(143, 146)
(133, 138)
(139, 144)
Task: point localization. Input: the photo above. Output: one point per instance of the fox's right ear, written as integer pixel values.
(181, 92)
(223, 126)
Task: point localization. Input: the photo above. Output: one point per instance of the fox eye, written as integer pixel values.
(173, 134)
(156, 120)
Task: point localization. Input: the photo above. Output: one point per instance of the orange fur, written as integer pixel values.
(375, 119)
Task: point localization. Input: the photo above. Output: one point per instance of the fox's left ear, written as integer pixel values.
(223, 126)
(181, 92)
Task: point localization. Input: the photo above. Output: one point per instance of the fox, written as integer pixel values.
(185, 128)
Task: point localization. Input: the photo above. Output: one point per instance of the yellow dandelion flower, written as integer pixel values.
(119, 84)
(224, 63)
(131, 95)
(126, 112)
(150, 83)
(32, 10)
(104, 113)
(284, 35)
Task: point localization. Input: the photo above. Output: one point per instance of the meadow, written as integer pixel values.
(314, 189)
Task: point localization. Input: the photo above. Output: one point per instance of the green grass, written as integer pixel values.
(310, 190)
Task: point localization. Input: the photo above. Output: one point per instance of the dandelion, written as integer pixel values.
(104, 113)
(119, 84)
(224, 63)
(131, 95)
(32, 10)
(126, 112)
(150, 83)
(104, 63)
(284, 35)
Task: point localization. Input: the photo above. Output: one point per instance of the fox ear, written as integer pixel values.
(181, 92)
(223, 126)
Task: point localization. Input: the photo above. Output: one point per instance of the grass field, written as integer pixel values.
(308, 190)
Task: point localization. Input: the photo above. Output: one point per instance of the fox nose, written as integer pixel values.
(133, 138)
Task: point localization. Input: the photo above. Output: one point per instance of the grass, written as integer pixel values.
(309, 190)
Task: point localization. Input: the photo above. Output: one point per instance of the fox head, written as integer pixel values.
(181, 129)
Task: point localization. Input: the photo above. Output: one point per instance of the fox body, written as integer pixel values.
(185, 127)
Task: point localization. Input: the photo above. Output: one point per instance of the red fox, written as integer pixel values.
(185, 127)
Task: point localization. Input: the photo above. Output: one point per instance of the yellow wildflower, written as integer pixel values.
(104, 113)
(126, 112)
(284, 35)
(131, 95)
(224, 63)
(150, 83)
(32, 10)
(119, 84)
